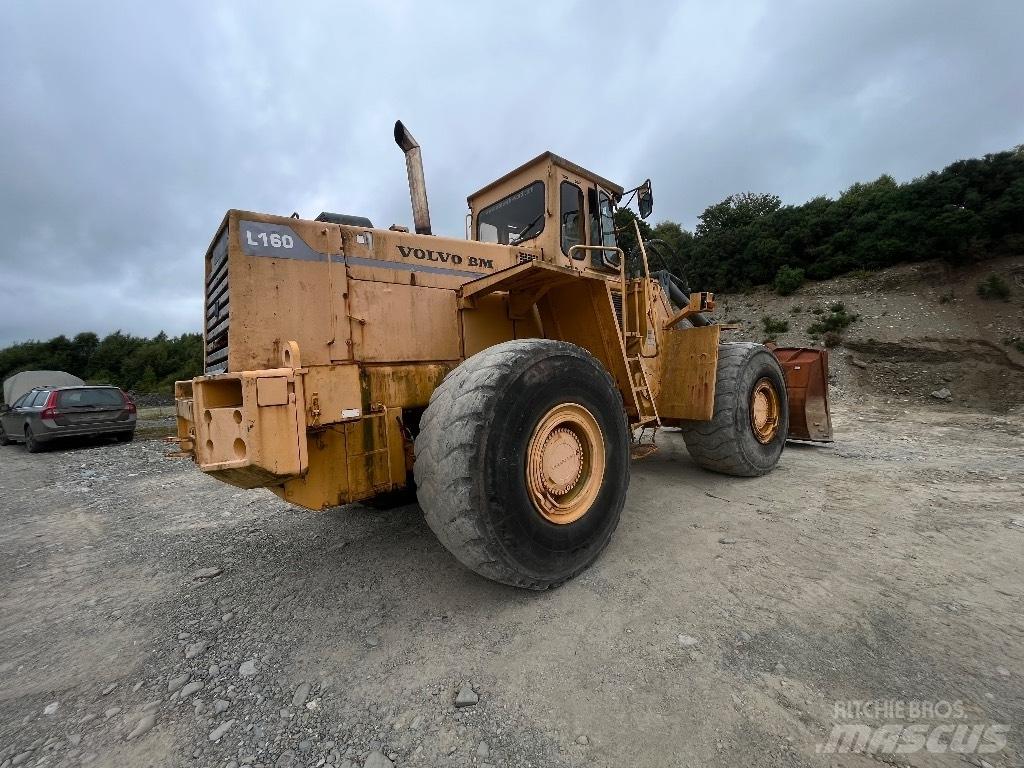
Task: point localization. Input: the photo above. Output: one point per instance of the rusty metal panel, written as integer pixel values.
(407, 385)
(688, 373)
(350, 462)
(395, 323)
(806, 371)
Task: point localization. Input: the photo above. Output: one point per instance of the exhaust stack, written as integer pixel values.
(417, 183)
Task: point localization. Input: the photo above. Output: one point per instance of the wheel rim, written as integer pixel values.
(565, 463)
(764, 411)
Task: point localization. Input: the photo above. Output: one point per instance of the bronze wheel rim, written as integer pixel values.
(565, 463)
(764, 411)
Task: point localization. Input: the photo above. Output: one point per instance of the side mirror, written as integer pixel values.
(645, 199)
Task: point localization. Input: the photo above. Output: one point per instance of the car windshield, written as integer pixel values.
(83, 398)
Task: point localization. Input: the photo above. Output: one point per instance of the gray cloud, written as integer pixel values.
(126, 130)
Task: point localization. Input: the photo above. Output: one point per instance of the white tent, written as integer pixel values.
(20, 383)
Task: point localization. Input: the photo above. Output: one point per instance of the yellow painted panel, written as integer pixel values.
(272, 391)
(394, 322)
(487, 323)
(688, 370)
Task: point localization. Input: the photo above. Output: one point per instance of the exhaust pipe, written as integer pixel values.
(417, 183)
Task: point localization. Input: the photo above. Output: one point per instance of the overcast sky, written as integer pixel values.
(127, 130)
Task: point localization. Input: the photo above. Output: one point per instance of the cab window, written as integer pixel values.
(40, 398)
(571, 204)
(602, 225)
(513, 219)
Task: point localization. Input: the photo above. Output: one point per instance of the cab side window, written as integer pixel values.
(602, 225)
(571, 215)
(40, 398)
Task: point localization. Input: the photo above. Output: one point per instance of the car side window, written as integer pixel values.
(21, 400)
(40, 398)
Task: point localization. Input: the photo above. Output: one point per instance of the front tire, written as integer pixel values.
(747, 432)
(4, 439)
(522, 462)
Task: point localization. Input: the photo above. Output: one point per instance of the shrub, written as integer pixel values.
(773, 326)
(788, 280)
(837, 321)
(994, 287)
(947, 297)
(796, 310)
(817, 310)
(831, 339)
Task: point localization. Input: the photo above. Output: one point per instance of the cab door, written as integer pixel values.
(602, 229)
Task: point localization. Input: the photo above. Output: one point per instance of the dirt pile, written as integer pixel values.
(919, 329)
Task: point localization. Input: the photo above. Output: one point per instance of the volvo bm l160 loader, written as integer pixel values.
(509, 377)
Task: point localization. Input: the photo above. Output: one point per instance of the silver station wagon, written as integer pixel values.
(45, 414)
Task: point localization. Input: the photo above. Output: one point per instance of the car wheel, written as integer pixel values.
(31, 444)
(4, 439)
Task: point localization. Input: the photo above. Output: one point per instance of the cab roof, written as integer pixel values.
(608, 186)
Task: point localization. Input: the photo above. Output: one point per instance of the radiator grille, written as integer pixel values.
(215, 329)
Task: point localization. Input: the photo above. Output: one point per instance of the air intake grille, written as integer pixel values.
(617, 305)
(216, 326)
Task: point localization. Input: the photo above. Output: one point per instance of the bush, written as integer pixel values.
(994, 287)
(788, 280)
(773, 326)
(831, 339)
(796, 310)
(837, 321)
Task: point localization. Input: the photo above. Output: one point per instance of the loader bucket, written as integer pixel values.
(806, 370)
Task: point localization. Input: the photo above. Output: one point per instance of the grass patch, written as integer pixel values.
(773, 326)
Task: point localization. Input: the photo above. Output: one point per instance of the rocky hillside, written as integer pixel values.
(913, 333)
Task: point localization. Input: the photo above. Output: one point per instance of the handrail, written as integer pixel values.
(622, 268)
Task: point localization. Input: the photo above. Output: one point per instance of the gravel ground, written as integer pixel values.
(150, 615)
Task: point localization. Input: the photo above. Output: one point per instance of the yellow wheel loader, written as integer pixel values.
(509, 377)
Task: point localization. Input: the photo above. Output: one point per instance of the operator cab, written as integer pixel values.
(554, 206)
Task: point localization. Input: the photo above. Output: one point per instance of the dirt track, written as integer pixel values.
(886, 566)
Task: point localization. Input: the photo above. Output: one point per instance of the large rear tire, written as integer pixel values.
(522, 462)
(747, 432)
